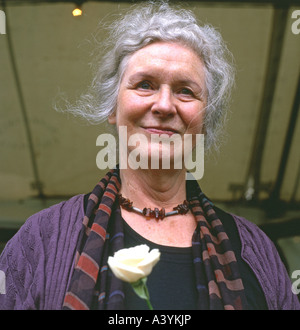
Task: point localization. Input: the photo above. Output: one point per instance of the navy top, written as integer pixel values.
(172, 284)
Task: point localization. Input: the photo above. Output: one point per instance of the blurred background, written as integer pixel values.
(47, 156)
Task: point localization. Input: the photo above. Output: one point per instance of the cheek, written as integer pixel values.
(194, 120)
(130, 108)
(123, 110)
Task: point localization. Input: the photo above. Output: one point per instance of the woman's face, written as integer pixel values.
(162, 91)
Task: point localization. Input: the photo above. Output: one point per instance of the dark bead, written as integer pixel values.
(162, 213)
(125, 202)
(182, 208)
(148, 214)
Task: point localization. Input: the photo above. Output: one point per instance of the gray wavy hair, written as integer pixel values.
(141, 26)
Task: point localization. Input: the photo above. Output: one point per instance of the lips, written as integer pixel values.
(161, 130)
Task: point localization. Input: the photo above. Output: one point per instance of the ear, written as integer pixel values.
(112, 118)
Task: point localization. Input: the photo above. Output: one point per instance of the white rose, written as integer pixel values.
(132, 264)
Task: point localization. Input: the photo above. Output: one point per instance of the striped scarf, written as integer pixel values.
(93, 286)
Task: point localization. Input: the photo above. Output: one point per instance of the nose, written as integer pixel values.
(164, 105)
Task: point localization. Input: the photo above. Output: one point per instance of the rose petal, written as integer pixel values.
(149, 262)
(137, 252)
(124, 272)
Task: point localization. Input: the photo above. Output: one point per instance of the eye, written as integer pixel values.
(144, 85)
(186, 91)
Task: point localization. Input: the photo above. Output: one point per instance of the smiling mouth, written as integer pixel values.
(159, 130)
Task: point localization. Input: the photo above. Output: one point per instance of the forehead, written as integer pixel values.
(167, 59)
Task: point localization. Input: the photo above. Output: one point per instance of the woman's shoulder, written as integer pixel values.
(251, 234)
(256, 244)
(260, 253)
(59, 215)
(48, 226)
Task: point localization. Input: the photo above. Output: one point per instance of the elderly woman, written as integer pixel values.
(163, 74)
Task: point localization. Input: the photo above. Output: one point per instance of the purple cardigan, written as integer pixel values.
(37, 263)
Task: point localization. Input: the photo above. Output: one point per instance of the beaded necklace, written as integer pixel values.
(156, 213)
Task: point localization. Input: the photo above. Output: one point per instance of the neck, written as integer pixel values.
(153, 188)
